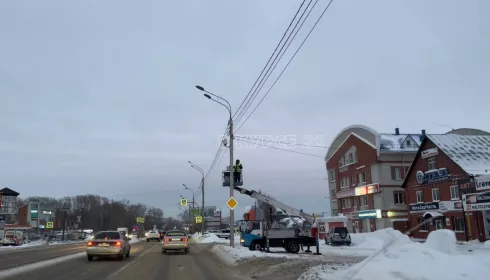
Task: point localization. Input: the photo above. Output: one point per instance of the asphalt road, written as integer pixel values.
(21, 256)
(145, 263)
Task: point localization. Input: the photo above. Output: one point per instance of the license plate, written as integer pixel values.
(104, 244)
(175, 239)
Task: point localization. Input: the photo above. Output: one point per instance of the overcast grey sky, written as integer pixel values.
(98, 96)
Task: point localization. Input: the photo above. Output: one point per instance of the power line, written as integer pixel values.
(281, 142)
(278, 58)
(276, 148)
(287, 65)
(270, 58)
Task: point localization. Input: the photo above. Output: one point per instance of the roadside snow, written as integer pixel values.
(438, 258)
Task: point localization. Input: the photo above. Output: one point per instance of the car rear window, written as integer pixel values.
(107, 235)
(340, 230)
(225, 231)
(175, 233)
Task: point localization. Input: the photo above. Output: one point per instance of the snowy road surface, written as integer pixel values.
(22, 256)
(146, 262)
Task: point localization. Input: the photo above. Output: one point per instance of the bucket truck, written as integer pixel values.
(258, 235)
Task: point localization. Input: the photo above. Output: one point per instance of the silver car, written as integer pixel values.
(108, 244)
(175, 240)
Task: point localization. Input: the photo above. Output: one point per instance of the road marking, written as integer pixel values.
(133, 261)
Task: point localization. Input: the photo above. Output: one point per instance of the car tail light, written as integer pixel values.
(183, 239)
(118, 243)
(167, 240)
(90, 243)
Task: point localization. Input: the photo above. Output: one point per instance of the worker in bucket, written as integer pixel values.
(237, 171)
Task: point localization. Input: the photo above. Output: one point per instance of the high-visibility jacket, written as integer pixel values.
(238, 167)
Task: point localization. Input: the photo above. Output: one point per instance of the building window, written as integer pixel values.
(351, 158)
(458, 224)
(344, 183)
(432, 163)
(363, 200)
(422, 225)
(399, 199)
(454, 192)
(344, 203)
(420, 196)
(331, 175)
(355, 156)
(435, 194)
(439, 224)
(334, 212)
(333, 195)
(397, 174)
(362, 178)
(356, 201)
(353, 179)
(409, 143)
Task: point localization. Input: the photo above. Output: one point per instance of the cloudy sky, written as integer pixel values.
(98, 96)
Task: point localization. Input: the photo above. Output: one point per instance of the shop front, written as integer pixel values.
(436, 215)
(478, 204)
(367, 219)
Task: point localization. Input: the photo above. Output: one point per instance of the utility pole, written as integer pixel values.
(64, 225)
(81, 224)
(230, 124)
(202, 190)
(39, 218)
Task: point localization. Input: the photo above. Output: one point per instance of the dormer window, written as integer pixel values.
(409, 143)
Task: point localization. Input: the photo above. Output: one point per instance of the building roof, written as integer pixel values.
(8, 192)
(470, 152)
(395, 142)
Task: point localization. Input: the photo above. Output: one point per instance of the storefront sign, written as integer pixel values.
(450, 205)
(476, 201)
(423, 206)
(367, 189)
(432, 175)
(369, 214)
(429, 153)
(347, 193)
(482, 182)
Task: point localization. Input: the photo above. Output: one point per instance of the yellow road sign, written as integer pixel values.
(232, 203)
(198, 219)
(140, 220)
(49, 225)
(183, 202)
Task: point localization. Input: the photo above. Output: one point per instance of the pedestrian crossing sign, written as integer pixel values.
(198, 219)
(49, 225)
(183, 202)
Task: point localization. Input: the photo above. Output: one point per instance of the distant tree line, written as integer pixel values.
(100, 213)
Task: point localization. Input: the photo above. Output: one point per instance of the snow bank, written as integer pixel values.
(213, 238)
(436, 259)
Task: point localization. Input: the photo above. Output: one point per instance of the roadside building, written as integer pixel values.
(449, 182)
(365, 172)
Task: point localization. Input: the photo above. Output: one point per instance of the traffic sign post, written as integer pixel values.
(198, 219)
(232, 203)
(183, 202)
(49, 225)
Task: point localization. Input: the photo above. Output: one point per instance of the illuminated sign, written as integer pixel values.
(369, 214)
(432, 175)
(367, 189)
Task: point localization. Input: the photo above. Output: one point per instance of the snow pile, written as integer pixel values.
(213, 238)
(436, 259)
(366, 244)
(486, 245)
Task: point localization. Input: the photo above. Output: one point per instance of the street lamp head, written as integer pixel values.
(200, 88)
(184, 185)
(207, 96)
(189, 161)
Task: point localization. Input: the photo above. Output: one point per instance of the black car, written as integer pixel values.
(338, 236)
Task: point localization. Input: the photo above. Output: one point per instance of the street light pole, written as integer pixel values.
(230, 123)
(193, 203)
(202, 194)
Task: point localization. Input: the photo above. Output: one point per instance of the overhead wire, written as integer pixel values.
(281, 149)
(287, 65)
(277, 59)
(280, 142)
(270, 58)
(220, 152)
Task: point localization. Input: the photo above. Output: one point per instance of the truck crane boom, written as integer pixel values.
(286, 208)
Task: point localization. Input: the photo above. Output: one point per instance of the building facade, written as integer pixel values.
(366, 170)
(448, 186)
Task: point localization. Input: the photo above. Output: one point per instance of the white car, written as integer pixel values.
(153, 235)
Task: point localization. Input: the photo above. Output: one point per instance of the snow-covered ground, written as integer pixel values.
(397, 257)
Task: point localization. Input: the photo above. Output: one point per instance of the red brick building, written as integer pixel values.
(440, 178)
(365, 172)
